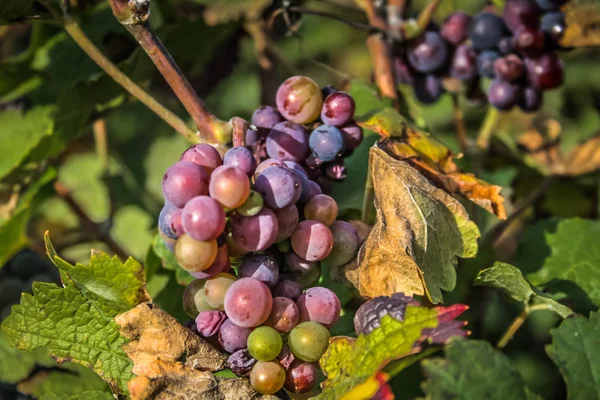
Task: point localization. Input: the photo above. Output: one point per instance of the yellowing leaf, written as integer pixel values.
(582, 19)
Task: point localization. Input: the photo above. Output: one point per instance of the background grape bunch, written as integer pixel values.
(258, 237)
(517, 52)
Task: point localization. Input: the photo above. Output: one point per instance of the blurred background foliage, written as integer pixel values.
(64, 122)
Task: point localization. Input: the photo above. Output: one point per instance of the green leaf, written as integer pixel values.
(472, 369)
(14, 9)
(509, 279)
(575, 349)
(16, 365)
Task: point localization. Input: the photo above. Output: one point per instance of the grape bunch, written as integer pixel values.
(516, 51)
(310, 126)
(257, 239)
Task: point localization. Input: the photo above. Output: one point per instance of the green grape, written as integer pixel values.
(309, 340)
(264, 343)
(252, 205)
(215, 289)
(284, 246)
(193, 298)
(267, 377)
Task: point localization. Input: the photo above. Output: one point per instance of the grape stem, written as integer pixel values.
(134, 15)
(459, 123)
(490, 123)
(101, 142)
(518, 322)
(355, 25)
(240, 126)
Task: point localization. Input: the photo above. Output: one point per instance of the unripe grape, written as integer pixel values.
(229, 186)
(221, 264)
(264, 343)
(215, 289)
(308, 341)
(252, 206)
(345, 243)
(299, 99)
(193, 298)
(194, 255)
(267, 377)
(321, 208)
(203, 155)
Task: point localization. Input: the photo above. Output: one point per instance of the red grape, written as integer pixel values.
(509, 68)
(182, 181)
(299, 99)
(301, 376)
(529, 41)
(464, 63)
(312, 240)
(241, 158)
(319, 304)
(203, 155)
(338, 109)
(203, 218)
(353, 136)
(545, 72)
(456, 28)
(287, 141)
(248, 302)
(255, 233)
(284, 315)
(233, 337)
(518, 13)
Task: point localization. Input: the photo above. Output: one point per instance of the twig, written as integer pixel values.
(517, 323)
(100, 138)
(240, 126)
(459, 124)
(487, 128)
(94, 230)
(426, 15)
(356, 25)
(395, 17)
(133, 15)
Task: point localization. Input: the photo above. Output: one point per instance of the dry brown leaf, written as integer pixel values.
(155, 335)
(582, 19)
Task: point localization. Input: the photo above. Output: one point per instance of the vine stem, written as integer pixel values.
(75, 32)
(459, 122)
(487, 128)
(517, 323)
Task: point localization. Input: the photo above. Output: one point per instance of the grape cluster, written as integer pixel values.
(310, 126)
(255, 237)
(516, 51)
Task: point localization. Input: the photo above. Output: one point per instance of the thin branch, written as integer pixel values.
(355, 25)
(518, 322)
(101, 141)
(487, 128)
(426, 15)
(240, 126)
(369, 195)
(459, 123)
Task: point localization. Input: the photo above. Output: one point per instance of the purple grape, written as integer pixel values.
(319, 304)
(288, 141)
(261, 267)
(518, 13)
(209, 322)
(296, 167)
(279, 186)
(248, 302)
(301, 377)
(203, 155)
(403, 71)
(169, 221)
(353, 136)
(298, 265)
(554, 25)
(550, 5)
(486, 31)
(326, 143)
(304, 186)
(456, 28)
(428, 88)
(203, 218)
(233, 337)
(509, 68)
(506, 45)
(299, 99)
(464, 63)
(338, 109)
(221, 264)
(529, 41)
(314, 189)
(312, 240)
(255, 233)
(545, 72)
(285, 357)
(532, 99)
(241, 158)
(428, 53)
(335, 170)
(266, 117)
(485, 63)
(288, 220)
(241, 362)
(346, 242)
(269, 162)
(504, 95)
(182, 181)
(284, 315)
(288, 288)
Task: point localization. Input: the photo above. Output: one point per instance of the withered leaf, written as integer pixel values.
(155, 335)
(420, 232)
(582, 19)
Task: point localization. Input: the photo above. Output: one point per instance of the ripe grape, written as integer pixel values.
(345, 243)
(270, 162)
(288, 288)
(293, 165)
(362, 229)
(518, 13)
(428, 88)
(284, 315)
(485, 63)
(287, 141)
(300, 377)
(266, 117)
(531, 101)
(279, 186)
(203, 218)
(262, 267)
(288, 220)
(509, 68)
(314, 189)
(241, 158)
(221, 264)
(203, 155)
(209, 322)
(529, 41)
(248, 302)
(264, 343)
(215, 289)
(194, 255)
(241, 362)
(255, 233)
(353, 136)
(312, 240)
(506, 45)
(550, 5)
(267, 377)
(299, 99)
(403, 71)
(326, 143)
(233, 337)
(304, 186)
(298, 265)
(464, 63)
(169, 221)
(338, 109)
(553, 24)
(504, 95)
(319, 304)
(233, 247)
(182, 181)
(545, 72)
(456, 28)
(193, 298)
(428, 53)
(309, 340)
(321, 208)
(486, 31)
(229, 186)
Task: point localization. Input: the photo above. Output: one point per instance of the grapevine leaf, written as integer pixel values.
(575, 349)
(106, 279)
(582, 18)
(16, 365)
(420, 232)
(509, 279)
(472, 369)
(350, 362)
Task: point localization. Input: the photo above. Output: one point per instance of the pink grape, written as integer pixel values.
(242, 158)
(279, 186)
(262, 267)
(319, 304)
(266, 117)
(284, 315)
(312, 240)
(183, 181)
(314, 189)
(338, 109)
(248, 302)
(321, 208)
(299, 99)
(229, 186)
(255, 233)
(233, 337)
(288, 220)
(288, 141)
(195, 255)
(221, 264)
(296, 167)
(203, 155)
(169, 221)
(203, 218)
